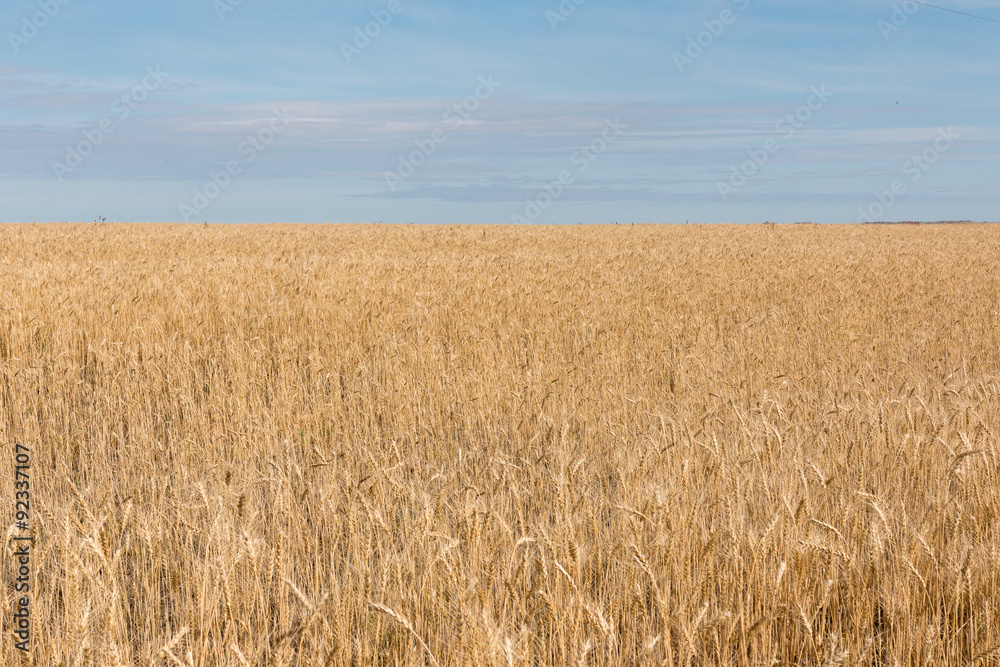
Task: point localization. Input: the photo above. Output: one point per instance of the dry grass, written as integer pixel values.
(496, 446)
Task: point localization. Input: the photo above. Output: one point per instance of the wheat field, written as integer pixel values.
(452, 446)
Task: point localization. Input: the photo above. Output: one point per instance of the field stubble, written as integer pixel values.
(355, 445)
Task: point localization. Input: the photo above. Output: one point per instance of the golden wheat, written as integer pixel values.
(379, 445)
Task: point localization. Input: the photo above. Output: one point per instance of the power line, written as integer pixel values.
(955, 11)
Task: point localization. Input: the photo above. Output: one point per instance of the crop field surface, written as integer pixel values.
(499, 446)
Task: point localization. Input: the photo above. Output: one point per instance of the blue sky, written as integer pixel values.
(533, 112)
